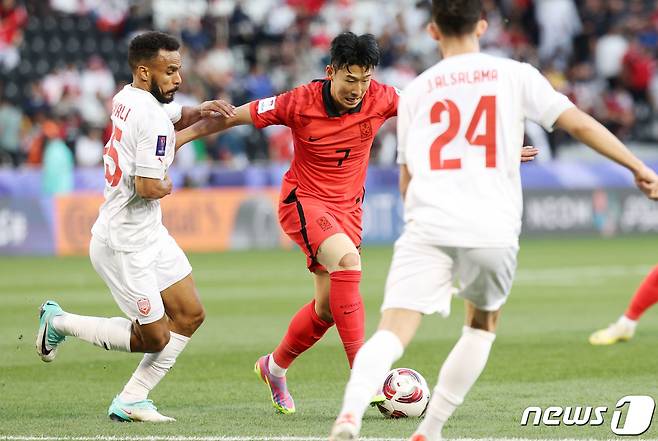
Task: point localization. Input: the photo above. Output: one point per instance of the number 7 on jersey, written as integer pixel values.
(486, 109)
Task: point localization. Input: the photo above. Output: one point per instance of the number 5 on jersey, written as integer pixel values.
(111, 159)
(486, 108)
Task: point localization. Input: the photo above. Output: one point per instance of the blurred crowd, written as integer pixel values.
(62, 60)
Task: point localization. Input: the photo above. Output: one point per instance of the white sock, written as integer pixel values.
(152, 369)
(371, 364)
(112, 334)
(626, 322)
(275, 369)
(459, 372)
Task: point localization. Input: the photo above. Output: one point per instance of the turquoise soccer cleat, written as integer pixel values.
(48, 339)
(139, 411)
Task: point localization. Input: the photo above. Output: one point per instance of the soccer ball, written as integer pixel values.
(406, 392)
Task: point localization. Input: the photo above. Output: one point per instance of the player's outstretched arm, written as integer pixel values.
(207, 109)
(206, 126)
(589, 131)
(150, 188)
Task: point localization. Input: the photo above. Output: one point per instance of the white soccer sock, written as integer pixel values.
(152, 369)
(626, 322)
(274, 368)
(112, 334)
(371, 364)
(459, 372)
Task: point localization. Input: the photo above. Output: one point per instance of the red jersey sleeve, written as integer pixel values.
(274, 110)
(387, 98)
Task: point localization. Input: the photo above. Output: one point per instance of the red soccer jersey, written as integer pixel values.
(331, 150)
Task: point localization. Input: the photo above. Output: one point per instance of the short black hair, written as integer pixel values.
(456, 17)
(348, 49)
(146, 46)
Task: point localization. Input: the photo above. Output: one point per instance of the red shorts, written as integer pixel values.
(308, 222)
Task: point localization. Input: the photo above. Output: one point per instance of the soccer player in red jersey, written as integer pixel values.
(624, 328)
(333, 123)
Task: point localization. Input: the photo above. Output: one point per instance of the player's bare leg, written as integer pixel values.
(396, 329)
(460, 370)
(169, 336)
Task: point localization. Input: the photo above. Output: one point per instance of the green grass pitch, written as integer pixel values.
(564, 290)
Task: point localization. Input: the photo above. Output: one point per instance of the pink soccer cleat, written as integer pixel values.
(281, 398)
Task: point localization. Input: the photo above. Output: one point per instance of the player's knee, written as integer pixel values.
(156, 343)
(191, 321)
(197, 319)
(349, 260)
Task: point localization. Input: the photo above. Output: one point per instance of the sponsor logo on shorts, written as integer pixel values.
(324, 223)
(143, 306)
(632, 415)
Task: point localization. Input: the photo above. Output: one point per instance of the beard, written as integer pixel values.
(157, 93)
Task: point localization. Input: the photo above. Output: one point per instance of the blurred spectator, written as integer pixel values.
(257, 84)
(11, 118)
(609, 52)
(601, 53)
(97, 80)
(57, 171)
(217, 65)
(89, 147)
(12, 19)
(637, 71)
(616, 112)
(194, 36)
(559, 23)
(164, 11)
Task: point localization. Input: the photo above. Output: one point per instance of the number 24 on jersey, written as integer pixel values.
(486, 109)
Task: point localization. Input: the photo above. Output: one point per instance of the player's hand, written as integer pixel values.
(216, 108)
(167, 185)
(528, 153)
(647, 181)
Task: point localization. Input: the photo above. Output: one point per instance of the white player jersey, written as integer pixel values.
(142, 144)
(460, 133)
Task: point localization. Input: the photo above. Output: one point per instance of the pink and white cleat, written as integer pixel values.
(281, 398)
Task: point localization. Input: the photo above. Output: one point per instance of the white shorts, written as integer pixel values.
(424, 277)
(136, 279)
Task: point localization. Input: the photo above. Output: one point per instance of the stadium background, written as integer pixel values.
(62, 60)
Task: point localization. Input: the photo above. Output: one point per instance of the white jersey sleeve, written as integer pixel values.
(404, 118)
(541, 103)
(174, 111)
(153, 141)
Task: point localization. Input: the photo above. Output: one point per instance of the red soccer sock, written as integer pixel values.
(646, 295)
(304, 330)
(347, 308)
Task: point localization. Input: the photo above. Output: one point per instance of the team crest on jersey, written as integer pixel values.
(143, 306)
(267, 104)
(324, 223)
(161, 145)
(366, 130)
